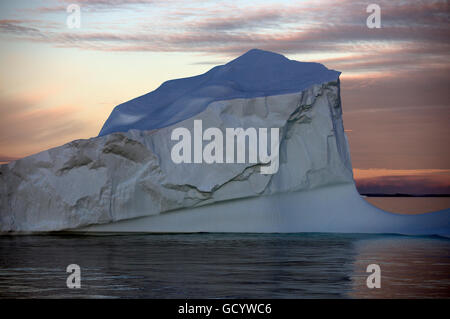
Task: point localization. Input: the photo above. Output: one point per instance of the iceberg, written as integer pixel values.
(257, 73)
(125, 180)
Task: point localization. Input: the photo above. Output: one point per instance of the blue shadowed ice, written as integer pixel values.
(255, 73)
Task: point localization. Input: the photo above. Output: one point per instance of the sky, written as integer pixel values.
(58, 84)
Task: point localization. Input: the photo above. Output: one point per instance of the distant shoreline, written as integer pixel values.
(404, 195)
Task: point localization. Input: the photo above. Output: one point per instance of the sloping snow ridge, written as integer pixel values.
(256, 73)
(125, 180)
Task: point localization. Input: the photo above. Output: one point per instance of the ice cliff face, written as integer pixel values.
(127, 171)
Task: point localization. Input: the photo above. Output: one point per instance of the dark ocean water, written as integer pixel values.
(224, 266)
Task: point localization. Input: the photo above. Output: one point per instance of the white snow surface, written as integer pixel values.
(126, 181)
(254, 74)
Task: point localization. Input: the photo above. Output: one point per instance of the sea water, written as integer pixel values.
(315, 265)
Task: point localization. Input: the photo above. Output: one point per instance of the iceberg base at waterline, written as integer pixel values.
(335, 209)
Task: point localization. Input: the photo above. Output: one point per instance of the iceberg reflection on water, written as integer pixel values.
(224, 266)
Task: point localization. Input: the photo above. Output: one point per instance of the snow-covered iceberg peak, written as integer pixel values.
(254, 74)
